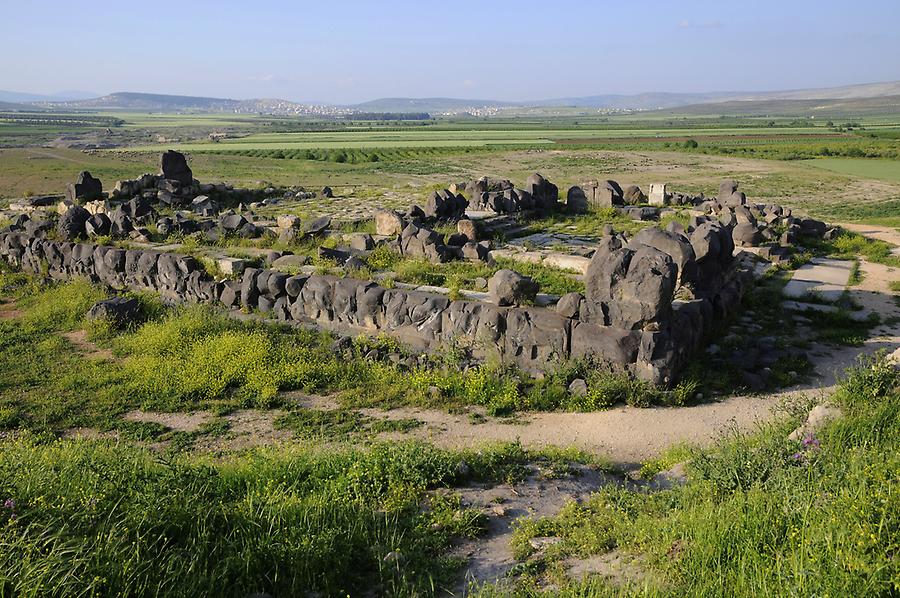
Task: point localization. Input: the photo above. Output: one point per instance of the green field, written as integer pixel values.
(881, 170)
(471, 137)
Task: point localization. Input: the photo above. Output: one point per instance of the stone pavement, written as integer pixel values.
(825, 277)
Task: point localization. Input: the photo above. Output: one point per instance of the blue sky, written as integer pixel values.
(348, 51)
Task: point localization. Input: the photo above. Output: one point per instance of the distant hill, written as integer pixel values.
(153, 102)
(820, 108)
(846, 92)
(11, 106)
(641, 101)
(736, 100)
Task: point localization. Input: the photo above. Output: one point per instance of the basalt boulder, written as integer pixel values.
(508, 287)
(98, 225)
(632, 195)
(629, 288)
(85, 188)
(673, 244)
(71, 225)
(576, 200)
(119, 311)
(544, 193)
(746, 234)
(173, 166)
(444, 205)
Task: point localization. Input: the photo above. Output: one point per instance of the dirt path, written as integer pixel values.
(883, 233)
(80, 340)
(9, 311)
(490, 556)
(625, 435)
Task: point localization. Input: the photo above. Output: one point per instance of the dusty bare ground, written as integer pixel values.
(884, 233)
(616, 567)
(491, 556)
(179, 422)
(80, 340)
(625, 435)
(248, 428)
(8, 311)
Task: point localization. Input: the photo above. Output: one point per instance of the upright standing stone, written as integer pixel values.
(658, 194)
(174, 167)
(600, 195)
(84, 189)
(576, 200)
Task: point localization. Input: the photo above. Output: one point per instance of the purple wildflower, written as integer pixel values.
(10, 504)
(811, 442)
(797, 456)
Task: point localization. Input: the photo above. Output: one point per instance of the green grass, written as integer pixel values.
(882, 170)
(761, 514)
(462, 274)
(850, 245)
(470, 136)
(856, 275)
(192, 358)
(96, 518)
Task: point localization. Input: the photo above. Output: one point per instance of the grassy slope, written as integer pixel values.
(81, 518)
(762, 515)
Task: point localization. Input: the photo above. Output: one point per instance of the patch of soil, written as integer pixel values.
(248, 428)
(617, 568)
(308, 401)
(490, 556)
(80, 340)
(625, 435)
(8, 311)
(180, 422)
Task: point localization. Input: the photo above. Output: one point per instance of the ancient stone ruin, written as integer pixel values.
(651, 300)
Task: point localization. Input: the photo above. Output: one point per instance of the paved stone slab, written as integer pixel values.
(568, 262)
(825, 277)
(475, 295)
(425, 288)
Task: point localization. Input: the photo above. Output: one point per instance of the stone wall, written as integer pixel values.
(532, 337)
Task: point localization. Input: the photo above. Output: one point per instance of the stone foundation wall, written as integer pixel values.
(532, 337)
